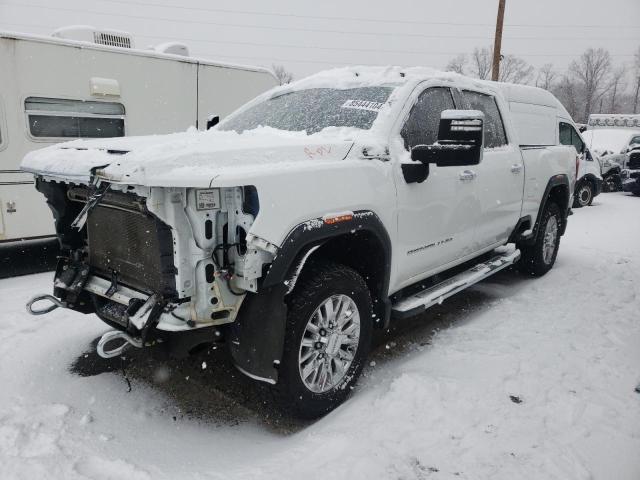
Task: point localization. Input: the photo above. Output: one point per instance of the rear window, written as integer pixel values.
(64, 118)
(494, 134)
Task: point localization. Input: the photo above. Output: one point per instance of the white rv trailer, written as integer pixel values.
(88, 83)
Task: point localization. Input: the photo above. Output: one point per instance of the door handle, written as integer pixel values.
(467, 175)
(516, 168)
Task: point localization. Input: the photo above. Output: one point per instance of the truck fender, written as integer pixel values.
(256, 338)
(318, 232)
(560, 180)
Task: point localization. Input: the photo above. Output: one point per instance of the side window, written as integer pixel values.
(494, 133)
(577, 141)
(62, 118)
(569, 136)
(565, 134)
(422, 125)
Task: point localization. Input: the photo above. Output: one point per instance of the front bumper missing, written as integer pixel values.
(140, 319)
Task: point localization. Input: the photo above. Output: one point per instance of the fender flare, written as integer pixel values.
(555, 181)
(587, 177)
(256, 338)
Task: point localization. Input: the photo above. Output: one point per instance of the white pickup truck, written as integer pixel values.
(312, 215)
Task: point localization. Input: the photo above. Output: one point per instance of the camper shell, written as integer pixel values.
(55, 89)
(541, 120)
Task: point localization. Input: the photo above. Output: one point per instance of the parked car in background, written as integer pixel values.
(631, 172)
(589, 179)
(610, 137)
(310, 216)
(88, 83)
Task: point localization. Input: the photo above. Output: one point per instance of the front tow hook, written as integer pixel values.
(55, 303)
(114, 335)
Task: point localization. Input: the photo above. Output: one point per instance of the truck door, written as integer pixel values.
(500, 175)
(436, 217)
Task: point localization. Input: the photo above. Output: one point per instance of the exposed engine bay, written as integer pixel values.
(152, 260)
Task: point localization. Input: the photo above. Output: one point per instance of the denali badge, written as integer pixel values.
(207, 199)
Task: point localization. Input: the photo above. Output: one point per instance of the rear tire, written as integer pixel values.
(612, 183)
(583, 195)
(538, 258)
(328, 337)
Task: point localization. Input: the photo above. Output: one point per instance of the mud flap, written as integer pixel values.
(256, 338)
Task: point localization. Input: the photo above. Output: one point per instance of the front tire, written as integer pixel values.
(538, 258)
(328, 337)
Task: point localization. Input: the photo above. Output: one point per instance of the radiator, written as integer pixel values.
(132, 244)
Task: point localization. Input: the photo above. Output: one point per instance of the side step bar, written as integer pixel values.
(419, 302)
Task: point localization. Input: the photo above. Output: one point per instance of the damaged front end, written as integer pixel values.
(167, 266)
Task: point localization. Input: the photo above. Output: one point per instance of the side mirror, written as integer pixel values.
(459, 143)
(212, 121)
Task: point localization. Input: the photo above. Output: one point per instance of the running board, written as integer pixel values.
(419, 302)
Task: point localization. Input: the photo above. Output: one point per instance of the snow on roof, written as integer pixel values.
(128, 51)
(359, 76)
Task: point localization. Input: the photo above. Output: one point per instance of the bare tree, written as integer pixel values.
(512, 69)
(637, 80)
(282, 74)
(567, 92)
(481, 63)
(546, 77)
(591, 71)
(617, 85)
(515, 70)
(457, 64)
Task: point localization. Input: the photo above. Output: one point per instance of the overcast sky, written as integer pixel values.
(307, 36)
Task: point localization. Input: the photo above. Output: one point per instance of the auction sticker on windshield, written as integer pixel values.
(363, 105)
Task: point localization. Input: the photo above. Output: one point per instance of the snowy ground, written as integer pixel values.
(515, 379)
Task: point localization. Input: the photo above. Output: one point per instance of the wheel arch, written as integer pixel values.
(361, 243)
(256, 337)
(588, 177)
(557, 191)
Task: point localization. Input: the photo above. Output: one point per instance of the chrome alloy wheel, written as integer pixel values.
(550, 239)
(329, 343)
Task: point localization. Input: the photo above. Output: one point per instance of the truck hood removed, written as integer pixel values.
(189, 159)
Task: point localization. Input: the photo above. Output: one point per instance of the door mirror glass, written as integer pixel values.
(459, 143)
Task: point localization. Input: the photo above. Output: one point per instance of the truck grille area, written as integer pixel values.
(133, 245)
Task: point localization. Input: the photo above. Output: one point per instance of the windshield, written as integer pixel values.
(313, 110)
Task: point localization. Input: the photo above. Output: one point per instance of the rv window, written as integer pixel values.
(63, 118)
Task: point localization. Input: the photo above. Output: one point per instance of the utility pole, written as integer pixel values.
(497, 43)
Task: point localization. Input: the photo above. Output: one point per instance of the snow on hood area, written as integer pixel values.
(180, 159)
(516, 378)
(612, 140)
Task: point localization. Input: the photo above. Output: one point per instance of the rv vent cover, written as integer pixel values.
(112, 40)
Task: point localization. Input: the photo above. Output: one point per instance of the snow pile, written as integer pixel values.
(523, 379)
